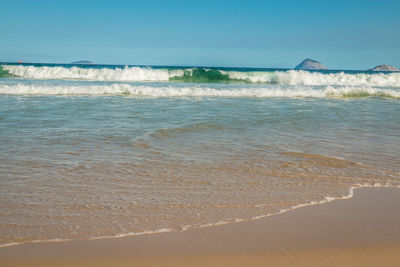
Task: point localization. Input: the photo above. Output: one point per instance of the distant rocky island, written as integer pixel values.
(384, 68)
(309, 64)
(82, 62)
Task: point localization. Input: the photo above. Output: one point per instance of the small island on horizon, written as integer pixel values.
(82, 62)
(310, 64)
(384, 68)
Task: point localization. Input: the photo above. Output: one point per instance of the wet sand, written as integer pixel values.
(361, 231)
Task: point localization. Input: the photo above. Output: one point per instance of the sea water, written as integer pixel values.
(92, 151)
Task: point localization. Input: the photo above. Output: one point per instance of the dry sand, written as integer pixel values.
(361, 231)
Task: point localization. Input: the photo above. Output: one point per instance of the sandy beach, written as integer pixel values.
(199, 133)
(361, 231)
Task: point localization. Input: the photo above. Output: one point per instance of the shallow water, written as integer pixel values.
(83, 164)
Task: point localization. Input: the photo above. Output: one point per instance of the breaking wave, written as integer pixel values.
(195, 91)
(203, 75)
(301, 77)
(4, 73)
(96, 74)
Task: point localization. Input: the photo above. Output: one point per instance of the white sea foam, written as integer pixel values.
(10, 244)
(194, 91)
(103, 74)
(158, 231)
(290, 77)
(300, 77)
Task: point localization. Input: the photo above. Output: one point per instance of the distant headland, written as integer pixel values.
(384, 68)
(82, 62)
(309, 64)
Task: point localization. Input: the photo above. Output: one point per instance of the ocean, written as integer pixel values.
(96, 151)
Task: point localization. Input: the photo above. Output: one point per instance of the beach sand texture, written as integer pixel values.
(361, 231)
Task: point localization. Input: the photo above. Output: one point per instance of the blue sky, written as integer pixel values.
(356, 34)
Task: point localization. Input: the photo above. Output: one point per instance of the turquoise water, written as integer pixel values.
(101, 151)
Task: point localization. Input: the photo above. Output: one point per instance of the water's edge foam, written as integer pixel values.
(326, 199)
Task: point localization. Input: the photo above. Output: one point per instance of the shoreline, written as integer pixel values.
(358, 229)
(325, 200)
